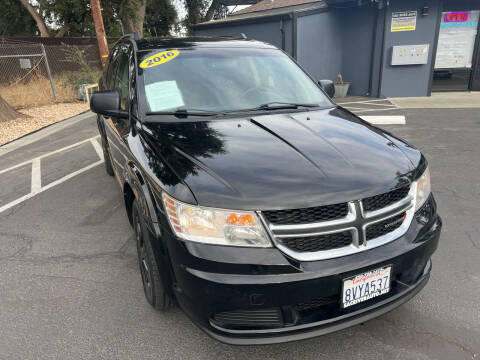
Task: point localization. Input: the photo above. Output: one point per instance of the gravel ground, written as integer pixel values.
(39, 118)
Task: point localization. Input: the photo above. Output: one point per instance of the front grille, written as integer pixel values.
(317, 303)
(252, 318)
(384, 227)
(380, 201)
(318, 242)
(306, 215)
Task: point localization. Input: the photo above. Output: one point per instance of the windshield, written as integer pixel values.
(223, 79)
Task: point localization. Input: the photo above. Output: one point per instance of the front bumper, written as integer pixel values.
(259, 296)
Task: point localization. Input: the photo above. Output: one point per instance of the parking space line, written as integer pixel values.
(36, 175)
(385, 120)
(97, 148)
(71, 175)
(49, 186)
(372, 110)
(36, 184)
(47, 154)
(369, 102)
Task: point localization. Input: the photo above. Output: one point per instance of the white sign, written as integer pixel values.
(164, 95)
(25, 64)
(404, 21)
(456, 42)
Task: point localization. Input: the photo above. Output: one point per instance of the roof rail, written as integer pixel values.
(240, 36)
(133, 36)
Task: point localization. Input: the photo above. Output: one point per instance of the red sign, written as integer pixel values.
(456, 17)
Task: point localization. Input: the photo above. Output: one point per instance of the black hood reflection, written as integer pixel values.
(279, 161)
(178, 145)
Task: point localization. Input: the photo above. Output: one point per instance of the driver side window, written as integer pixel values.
(121, 80)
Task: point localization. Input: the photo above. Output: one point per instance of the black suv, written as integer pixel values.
(267, 212)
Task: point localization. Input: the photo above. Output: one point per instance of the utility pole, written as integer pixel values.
(100, 30)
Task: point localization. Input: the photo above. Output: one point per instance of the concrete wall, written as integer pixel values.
(358, 25)
(268, 31)
(411, 80)
(319, 48)
(339, 40)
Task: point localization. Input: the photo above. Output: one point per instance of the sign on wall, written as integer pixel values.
(404, 21)
(456, 40)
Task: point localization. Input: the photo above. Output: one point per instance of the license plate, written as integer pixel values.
(366, 286)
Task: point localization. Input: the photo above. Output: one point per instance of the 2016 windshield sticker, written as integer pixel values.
(159, 58)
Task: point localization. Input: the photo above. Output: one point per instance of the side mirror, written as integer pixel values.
(107, 103)
(328, 87)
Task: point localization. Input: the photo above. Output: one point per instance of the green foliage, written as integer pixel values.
(15, 19)
(196, 10)
(160, 18)
(87, 73)
(76, 15)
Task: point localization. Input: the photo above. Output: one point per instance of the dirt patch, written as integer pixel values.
(38, 117)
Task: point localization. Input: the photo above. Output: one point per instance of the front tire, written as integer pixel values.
(152, 281)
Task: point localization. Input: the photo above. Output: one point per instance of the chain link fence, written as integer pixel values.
(39, 71)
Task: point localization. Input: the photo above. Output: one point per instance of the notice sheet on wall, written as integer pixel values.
(404, 21)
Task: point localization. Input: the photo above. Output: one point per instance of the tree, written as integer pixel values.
(203, 10)
(195, 10)
(37, 15)
(132, 15)
(7, 112)
(160, 18)
(15, 19)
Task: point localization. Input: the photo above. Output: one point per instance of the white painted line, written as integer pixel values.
(36, 184)
(366, 102)
(352, 108)
(49, 186)
(71, 175)
(385, 120)
(48, 154)
(97, 148)
(388, 105)
(16, 202)
(17, 144)
(373, 110)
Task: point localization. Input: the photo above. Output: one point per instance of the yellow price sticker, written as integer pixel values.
(159, 58)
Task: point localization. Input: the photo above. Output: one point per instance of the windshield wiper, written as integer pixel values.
(182, 113)
(275, 105)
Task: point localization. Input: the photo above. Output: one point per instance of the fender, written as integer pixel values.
(133, 177)
(138, 184)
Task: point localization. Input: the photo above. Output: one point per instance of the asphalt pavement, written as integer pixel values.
(70, 285)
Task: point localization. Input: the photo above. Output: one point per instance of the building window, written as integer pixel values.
(456, 45)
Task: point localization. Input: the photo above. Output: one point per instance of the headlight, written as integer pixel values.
(215, 226)
(423, 189)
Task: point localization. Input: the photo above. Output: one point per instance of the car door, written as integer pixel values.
(118, 129)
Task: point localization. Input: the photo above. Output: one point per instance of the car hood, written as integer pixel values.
(280, 161)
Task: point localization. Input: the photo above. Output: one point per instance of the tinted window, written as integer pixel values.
(121, 85)
(121, 80)
(111, 68)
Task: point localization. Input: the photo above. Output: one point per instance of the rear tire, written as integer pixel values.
(152, 281)
(106, 156)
